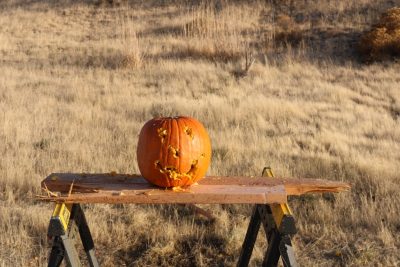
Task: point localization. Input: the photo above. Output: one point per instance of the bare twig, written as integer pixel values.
(199, 211)
(49, 193)
(249, 61)
(70, 188)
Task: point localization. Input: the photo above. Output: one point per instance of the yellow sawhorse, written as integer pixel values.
(69, 219)
(279, 226)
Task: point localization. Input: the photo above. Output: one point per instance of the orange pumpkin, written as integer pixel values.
(173, 151)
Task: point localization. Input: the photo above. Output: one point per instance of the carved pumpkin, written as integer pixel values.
(173, 151)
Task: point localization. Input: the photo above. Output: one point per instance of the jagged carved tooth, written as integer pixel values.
(174, 151)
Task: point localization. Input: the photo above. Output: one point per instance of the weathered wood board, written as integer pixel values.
(125, 188)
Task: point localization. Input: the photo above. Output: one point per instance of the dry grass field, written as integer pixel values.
(276, 83)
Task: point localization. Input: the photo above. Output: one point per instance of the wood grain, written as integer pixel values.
(125, 188)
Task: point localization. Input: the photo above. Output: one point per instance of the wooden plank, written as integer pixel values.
(61, 182)
(125, 188)
(197, 194)
(293, 186)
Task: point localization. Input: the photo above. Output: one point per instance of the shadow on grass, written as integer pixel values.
(95, 3)
(201, 246)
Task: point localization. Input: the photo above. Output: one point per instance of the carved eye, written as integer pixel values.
(162, 133)
(158, 166)
(189, 131)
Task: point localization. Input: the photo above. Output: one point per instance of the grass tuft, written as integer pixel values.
(212, 33)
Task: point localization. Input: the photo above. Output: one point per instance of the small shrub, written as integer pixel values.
(213, 34)
(290, 37)
(285, 22)
(286, 33)
(383, 40)
(130, 45)
(133, 55)
(43, 144)
(125, 47)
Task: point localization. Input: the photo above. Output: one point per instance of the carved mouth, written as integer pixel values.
(173, 173)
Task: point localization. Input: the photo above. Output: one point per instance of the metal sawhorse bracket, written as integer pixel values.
(62, 228)
(279, 225)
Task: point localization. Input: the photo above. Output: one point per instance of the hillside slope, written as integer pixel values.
(277, 85)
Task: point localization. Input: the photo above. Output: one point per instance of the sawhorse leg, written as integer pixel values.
(279, 225)
(278, 236)
(250, 239)
(63, 223)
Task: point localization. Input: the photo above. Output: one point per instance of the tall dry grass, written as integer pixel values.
(213, 33)
(67, 104)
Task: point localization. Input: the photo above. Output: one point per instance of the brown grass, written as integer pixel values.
(383, 40)
(67, 104)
